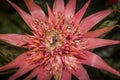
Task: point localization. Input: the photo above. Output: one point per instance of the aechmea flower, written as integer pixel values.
(60, 44)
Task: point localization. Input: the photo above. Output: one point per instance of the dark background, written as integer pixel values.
(11, 22)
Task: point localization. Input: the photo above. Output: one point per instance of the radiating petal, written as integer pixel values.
(43, 75)
(81, 73)
(15, 63)
(58, 6)
(22, 71)
(95, 42)
(66, 75)
(70, 9)
(97, 33)
(78, 16)
(35, 10)
(90, 21)
(33, 74)
(26, 17)
(14, 39)
(97, 62)
(50, 13)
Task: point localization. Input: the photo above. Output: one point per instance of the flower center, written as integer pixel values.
(53, 41)
(56, 46)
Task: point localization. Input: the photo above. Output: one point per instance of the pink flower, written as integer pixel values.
(60, 43)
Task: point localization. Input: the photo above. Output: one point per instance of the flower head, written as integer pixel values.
(60, 43)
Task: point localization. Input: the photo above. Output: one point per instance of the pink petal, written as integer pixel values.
(97, 33)
(22, 71)
(14, 39)
(58, 6)
(90, 21)
(81, 73)
(78, 16)
(50, 13)
(66, 75)
(33, 74)
(35, 10)
(97, 62)
(95, 43)
(26, 17)
(43, 75)
(15, 63)
(70, 9)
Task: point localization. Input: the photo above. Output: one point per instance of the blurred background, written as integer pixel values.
(11, 22)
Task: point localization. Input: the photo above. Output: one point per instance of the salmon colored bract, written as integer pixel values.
(60, 44)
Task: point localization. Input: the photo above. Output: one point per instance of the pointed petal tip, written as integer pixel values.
(33, 74)
(8, 66)
(58, 6)
(94, 60)
(3, 68)
(117, 73)
(81, 73)
(25, 16)
(47, 5)
(110, 11)
(99, 32)
(22, 70)
(117, 42)
(8, 1)
(96, 42)
(50, 14)
(35, 10)
(93, 19)
(14, 39)
(70, 9)
(79, 15)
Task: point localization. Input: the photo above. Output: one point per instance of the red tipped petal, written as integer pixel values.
(26, 17)
(66, 75)
(14, 39)
(97, 33)
(33, 74)
(35, 10)
(58, 6)
(97, 62)
(70, 9)
(78, 16)
(15, 63)
(43, 75)
(90, 21)
(95, 43)
(50, 13)
(22, 71)
(81, 73)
